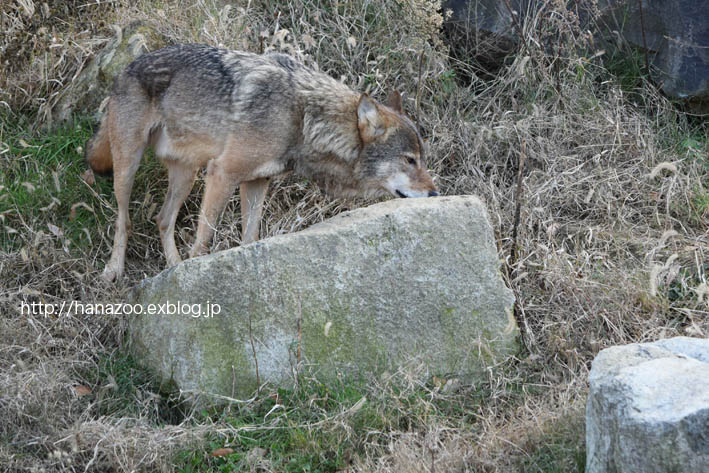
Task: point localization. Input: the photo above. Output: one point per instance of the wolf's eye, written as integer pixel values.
(412, 161)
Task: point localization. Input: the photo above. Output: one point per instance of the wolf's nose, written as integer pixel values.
(433, 194)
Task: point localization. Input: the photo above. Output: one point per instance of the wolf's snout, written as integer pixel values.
(415, 194)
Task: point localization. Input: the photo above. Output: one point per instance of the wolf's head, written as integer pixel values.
(392, 153)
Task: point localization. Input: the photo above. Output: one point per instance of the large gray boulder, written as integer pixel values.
(648, 408)
(408, 280)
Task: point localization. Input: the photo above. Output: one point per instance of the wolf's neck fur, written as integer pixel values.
(330, 134)
(329, 116)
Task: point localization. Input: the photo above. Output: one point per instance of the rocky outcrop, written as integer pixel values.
(676, 34)
(488, 16)
(676, 40)
(483, 31)
(648, 408)
(94, 83)
(408, 280)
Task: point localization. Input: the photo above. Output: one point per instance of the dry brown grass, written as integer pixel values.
(612, 244)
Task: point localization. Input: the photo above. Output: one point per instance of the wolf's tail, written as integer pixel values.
(98, 151)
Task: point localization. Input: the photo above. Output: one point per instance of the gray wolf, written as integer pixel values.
(246, 118)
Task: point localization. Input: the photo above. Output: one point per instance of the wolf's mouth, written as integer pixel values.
(401, 194)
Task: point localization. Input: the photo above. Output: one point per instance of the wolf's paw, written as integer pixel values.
(198, 250)
(111, 273)
(173, 261)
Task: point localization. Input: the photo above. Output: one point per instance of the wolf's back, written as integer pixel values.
(202, 89)
(145, 80)
(201, 65)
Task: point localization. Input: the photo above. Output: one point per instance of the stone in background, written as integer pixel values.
(648, 408)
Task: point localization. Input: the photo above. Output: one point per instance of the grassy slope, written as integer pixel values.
(596, 256)
(42, 182)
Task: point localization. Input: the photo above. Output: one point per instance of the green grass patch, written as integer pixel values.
(41, 186)
(627, 66)
(122, 388)
(44, 188)
(560, 449)
(701, 203)
(303, 429)
(294, 430)
(319, 427)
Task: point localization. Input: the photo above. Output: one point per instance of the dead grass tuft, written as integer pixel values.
(43, 46)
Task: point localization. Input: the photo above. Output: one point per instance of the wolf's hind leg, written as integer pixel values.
(181, 178)
(126, 158)
(219, 187)
(253, 194)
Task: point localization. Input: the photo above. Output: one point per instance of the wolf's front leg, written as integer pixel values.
(219, 186)
(253, 194)
(181, 178)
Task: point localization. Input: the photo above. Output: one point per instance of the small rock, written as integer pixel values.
(648, 408)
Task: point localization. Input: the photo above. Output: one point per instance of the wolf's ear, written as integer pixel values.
(394, 101)
(368, 117)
